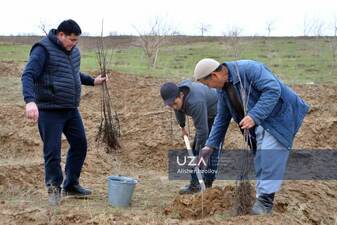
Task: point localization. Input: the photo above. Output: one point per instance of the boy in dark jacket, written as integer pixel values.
(199, 102)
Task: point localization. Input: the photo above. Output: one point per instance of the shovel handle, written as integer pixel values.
(187, 143)
(197, 170)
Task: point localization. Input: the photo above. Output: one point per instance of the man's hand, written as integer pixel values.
(247, 122)
(32, 113)
(100, 80)
(184, 132)
(204, 155)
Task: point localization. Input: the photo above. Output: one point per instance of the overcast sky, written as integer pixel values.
(185, 16)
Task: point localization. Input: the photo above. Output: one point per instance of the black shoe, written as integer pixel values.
(209, 183)
(190, 189)
(54, 195)
(76, 191)
(263, 204)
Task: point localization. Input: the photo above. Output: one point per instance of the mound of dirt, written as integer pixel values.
(244, 198)
(203, 204)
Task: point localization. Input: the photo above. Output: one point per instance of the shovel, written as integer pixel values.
(196, 169)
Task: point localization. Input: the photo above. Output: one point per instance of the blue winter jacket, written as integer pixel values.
(52, 77)
(271, 103)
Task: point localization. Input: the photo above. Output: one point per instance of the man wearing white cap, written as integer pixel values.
(273, 115)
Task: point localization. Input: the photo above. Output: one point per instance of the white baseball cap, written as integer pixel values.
(205, 67)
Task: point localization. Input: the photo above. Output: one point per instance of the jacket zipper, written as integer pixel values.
(72, 68)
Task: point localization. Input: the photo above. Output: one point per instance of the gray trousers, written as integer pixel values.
(270, 162)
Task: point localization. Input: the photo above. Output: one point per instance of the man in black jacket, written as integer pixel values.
(51, 84)
(199, 102)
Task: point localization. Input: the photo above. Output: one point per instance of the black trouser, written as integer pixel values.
(212, 166)
(52, 123)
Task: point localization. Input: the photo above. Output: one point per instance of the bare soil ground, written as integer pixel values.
(10, 68)
(148, 131)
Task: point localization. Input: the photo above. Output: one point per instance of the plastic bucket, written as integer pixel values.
(120, 190)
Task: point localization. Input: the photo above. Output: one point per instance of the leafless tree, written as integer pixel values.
(313, 27)
(43, 26)
(318, 28)
(244, 189)
(232, 41)
(333, 45)
(270, 26)
(307, 27)
(204, 28)
(152, 40)
(109, 129)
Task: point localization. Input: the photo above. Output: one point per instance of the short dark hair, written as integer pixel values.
(218, 69)
(69, 27)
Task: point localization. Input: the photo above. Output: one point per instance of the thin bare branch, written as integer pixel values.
(109, 128)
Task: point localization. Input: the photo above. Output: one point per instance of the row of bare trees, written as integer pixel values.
(152, 39)
(311, 27)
